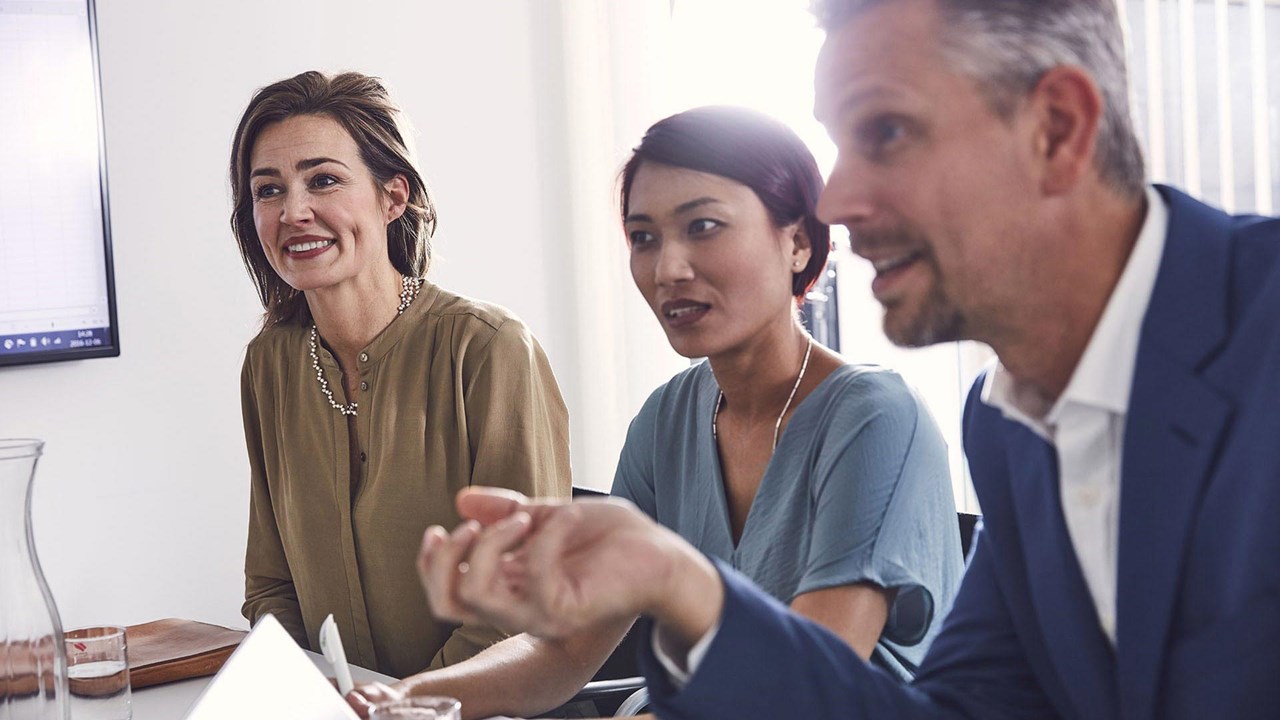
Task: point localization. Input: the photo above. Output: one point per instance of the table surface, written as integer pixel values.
(172, 700)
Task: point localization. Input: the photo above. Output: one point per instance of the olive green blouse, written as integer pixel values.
(454, 392)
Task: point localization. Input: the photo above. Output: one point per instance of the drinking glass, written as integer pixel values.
(424, 707)
(98, 674)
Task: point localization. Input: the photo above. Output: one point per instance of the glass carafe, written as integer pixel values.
(33, 662)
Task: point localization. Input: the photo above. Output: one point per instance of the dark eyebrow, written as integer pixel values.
(680, 209)
(313, 162)
(302, 165)
(692, 204)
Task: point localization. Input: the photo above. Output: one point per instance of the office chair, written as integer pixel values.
(968, 528)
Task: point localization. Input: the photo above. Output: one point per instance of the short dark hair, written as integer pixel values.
(362, 105)
(750, 148)
(1007, 46)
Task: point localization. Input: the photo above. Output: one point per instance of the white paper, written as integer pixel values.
(267, 678)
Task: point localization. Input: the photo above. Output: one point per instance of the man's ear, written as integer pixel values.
(1066, 108)
(397, 194)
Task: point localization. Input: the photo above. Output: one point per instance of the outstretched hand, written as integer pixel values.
(549, 567)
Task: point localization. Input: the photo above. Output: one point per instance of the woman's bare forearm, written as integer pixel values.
(522, 675)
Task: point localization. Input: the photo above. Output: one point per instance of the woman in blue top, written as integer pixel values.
(824, 482)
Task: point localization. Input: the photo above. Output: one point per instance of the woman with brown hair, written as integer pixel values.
(370, 396)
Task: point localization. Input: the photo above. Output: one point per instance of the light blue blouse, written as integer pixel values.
(858, 490)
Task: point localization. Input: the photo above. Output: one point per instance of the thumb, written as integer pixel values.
(488, 505)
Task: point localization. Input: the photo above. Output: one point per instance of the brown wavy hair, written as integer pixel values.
(362, 105)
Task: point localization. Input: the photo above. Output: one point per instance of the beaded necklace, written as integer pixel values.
(409, 288)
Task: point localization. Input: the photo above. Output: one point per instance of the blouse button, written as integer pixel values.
(363, 457)
(364, 386)
(364, 357)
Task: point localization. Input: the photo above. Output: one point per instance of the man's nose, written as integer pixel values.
(846, 199)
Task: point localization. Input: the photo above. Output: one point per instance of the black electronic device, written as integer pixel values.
(57, 286)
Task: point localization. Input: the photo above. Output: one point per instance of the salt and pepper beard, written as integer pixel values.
(937, 320)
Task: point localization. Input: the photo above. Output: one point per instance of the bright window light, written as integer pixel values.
(761, 55)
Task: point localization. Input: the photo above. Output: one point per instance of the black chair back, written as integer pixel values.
(968, 523)
(617, 679)
(624, 662)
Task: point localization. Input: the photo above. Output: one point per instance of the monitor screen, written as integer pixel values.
(57, 291)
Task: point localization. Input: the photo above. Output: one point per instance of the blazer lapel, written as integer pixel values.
(1175, 421)
(1063, 606)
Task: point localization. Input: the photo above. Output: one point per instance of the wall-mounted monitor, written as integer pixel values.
(57, 287)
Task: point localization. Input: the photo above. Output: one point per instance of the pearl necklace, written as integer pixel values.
(409, 288)
(778, 425)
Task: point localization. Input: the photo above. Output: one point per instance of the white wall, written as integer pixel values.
(141, 498)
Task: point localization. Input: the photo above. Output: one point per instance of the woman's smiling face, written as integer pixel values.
(319, 213)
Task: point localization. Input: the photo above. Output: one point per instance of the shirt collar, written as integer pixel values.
(423, 304)
(1102, 378)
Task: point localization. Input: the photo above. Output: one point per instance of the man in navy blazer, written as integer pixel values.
(1125, 448)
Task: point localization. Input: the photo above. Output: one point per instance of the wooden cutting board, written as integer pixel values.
(173, 649)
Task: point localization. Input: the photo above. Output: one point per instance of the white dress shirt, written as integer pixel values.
(1086, 423)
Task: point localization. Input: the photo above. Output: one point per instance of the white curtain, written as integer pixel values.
(612, 56)
(1206, 87)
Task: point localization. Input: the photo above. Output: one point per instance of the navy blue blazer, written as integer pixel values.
(1198, 594)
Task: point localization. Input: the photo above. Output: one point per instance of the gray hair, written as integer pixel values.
(1007, 46)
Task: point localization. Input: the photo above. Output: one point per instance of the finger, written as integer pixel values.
(497, 597)
(359, 703)
(440, 572)
(512, 573)
(547, 581)
(365, 697)
(376, 692)
(483, 586)
(429, 560)
(432, 540)
(488, 505)
(514, 564)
